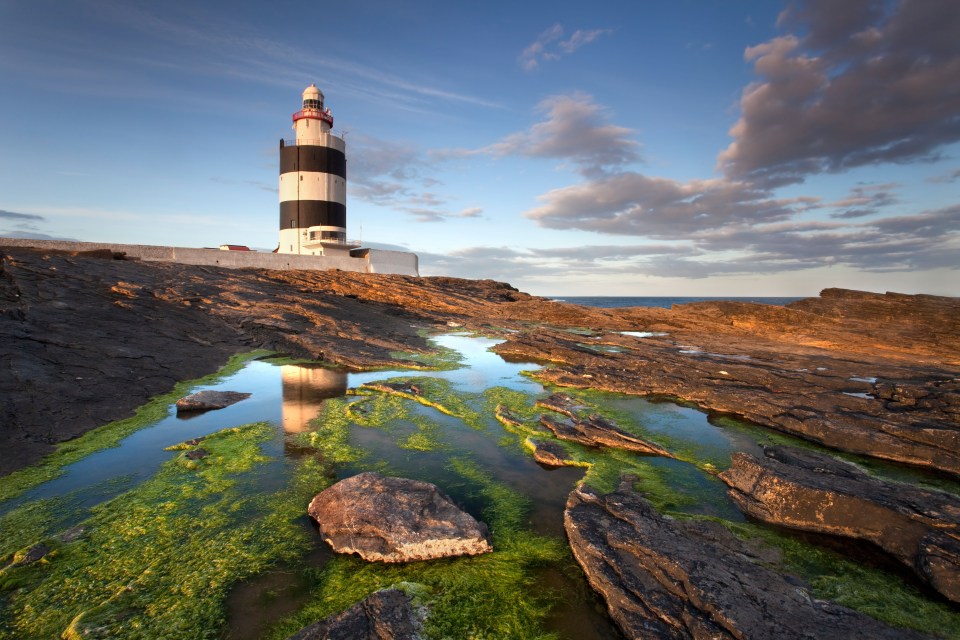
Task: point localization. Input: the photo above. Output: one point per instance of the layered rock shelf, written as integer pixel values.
(811, 491)
(667, 578)
(89, 338)
(384, 615)
(868, 373)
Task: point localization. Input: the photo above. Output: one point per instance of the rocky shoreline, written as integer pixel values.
(89, 338)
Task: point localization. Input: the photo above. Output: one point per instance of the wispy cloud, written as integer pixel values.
(13, 215)
(193, 41)
(551, 45)
(398, 175)
(256, 184)
(865, 200)
(946, 178)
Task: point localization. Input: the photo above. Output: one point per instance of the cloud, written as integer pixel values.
(190, 40)
(927, 240)
(576, 129)
(866, 82)
(631, 203)
(550, 45)
(865, 200)
(395, 174)
(262, 186)
(950, 176)
(35, 235)
(13, 215)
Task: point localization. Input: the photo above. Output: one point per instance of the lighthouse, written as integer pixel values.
(313, 183)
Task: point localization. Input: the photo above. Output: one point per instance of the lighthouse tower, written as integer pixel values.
(313, 183)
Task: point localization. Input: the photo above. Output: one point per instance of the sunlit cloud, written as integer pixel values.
(865, 83)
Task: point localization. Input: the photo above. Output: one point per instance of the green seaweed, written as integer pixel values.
(110, 435)
(435, 393)
(439, 358)
(488, 596)
(158, 560)
(880, 594)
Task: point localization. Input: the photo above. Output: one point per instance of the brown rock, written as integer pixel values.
(384, 615)
(389, 519)
(549, 453)
(596, 431)
(209, 400)
(562, 403)
(810, 491)
(666, 578)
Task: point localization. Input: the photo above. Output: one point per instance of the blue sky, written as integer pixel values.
(613, 148)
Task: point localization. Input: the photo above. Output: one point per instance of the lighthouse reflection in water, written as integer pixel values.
(305, 388)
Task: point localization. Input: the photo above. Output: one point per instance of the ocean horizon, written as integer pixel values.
(610, 302)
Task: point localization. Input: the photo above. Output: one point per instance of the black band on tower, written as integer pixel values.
(301, 214)
(313, 158)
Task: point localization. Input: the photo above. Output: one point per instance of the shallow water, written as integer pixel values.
(291, 396)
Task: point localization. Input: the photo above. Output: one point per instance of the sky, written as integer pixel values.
(634, 148)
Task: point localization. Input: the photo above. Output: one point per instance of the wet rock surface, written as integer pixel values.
(89, 338)
(810, 491)
(549, 453)
(384, 615)
(596, 431)
(666, 578)
(866, 373)
(386, 519)
(209, 400)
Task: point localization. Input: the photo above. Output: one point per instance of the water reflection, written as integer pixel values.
(304, 388)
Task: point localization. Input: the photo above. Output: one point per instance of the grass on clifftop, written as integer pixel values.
(110, 435)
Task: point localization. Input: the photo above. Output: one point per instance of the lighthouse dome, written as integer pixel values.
(312, 93)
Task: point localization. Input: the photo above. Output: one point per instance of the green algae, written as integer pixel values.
(875, 592)
(110, 435)
(493, 595)
(158, 560)
(439, 358)
(435, 393)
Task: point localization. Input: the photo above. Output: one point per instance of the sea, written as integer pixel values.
(666, 302)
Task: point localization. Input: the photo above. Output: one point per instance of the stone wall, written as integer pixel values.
(362, 261)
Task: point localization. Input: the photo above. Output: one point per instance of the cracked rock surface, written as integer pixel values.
(811, 491)
(666, 578)
(385, 615)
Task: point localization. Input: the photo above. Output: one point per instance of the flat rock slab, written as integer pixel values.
(549, 453)
(389, 519)
(666, 578)
(562, 403)
(208, 400)
(811, 491)
(384, 615)
(595, 431)
(403, 388)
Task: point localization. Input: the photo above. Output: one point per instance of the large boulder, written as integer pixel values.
(384, 615)
(811, 491)
(390, 519)
(668, 578)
